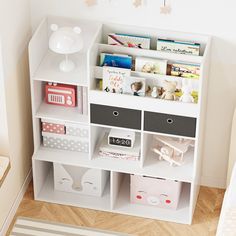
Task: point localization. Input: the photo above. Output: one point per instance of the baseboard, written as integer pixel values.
(16, 204)
(213, 182)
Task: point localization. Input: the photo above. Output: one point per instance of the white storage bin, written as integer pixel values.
(65, 142)
(77, 130)
(79, 179)
(155, 192)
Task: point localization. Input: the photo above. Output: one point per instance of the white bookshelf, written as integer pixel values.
(44, 68)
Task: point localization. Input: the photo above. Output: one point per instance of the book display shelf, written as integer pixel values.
(150, 120)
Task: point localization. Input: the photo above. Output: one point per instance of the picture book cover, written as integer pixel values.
(135, 86)
(151, 65)
(114, 60)
(189, 71)
(174, 46)
(114, 78)
(127, 40)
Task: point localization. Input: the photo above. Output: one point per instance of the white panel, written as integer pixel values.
(116, 180)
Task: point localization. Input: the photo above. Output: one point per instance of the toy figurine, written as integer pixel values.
(136, 87)
(154, 93)
(186, 89)
(169, 88)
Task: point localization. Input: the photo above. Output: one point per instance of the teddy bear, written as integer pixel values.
(169, 88)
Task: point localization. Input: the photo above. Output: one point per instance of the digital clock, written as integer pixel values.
(120, 142)
(121, 138)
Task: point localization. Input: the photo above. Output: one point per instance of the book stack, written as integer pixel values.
(121, 153)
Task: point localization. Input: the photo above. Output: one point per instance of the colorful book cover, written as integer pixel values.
(113, 60)
(127, 40)
(185, 70)
(114, 78)
(179, 47)
(135, 86)
(85, 101)
(151, 65)
(80, 99)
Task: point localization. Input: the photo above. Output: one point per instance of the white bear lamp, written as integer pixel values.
(66, 40)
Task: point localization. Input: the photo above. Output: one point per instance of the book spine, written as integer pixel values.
(80, 100)
(85, 101)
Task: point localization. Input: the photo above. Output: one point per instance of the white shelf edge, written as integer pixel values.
(168, 135)
(115, 127)
(98, 75)
(122, 166)
(60, 113)
(150, 104)
(151, 53)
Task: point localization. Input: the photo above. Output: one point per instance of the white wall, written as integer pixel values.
(15, 32)
(216, 18)
(4, 140)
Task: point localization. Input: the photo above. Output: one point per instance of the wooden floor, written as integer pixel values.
(205, 218)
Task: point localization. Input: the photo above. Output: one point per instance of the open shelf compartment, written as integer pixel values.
(152, 163)
(44, 64)
(120, 200)
(44, 190)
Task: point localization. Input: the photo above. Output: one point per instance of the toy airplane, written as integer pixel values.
(172, 150)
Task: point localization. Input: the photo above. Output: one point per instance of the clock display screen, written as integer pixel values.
(120, 142)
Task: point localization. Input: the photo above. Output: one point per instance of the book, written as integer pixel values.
(127, 40)
(180, 47)
(113, 79)
(114, 60)
(151, 65)
(80, 99)
(189, 71)
(134, 86)
(85, 101)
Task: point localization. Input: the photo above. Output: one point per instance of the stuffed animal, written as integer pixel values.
(154, 93)
(186, 89)
(169, 88)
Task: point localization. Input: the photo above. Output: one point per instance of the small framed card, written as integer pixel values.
(135, 86)
(114, 79)
(151, 65)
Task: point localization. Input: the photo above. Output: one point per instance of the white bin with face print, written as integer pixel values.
(79, 180)
(155, 192)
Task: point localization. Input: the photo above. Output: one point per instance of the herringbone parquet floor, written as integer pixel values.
(204, 224)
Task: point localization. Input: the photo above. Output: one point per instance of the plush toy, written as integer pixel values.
(169, 88)
(186, 89)
(154, 93)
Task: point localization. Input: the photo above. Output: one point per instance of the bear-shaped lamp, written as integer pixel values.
(66, 40)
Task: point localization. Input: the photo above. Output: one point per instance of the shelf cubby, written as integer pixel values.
(120, 198)
(98, 133)
(163, 169)
(46, 191)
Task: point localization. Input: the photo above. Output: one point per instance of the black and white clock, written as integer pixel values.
(121, 138)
